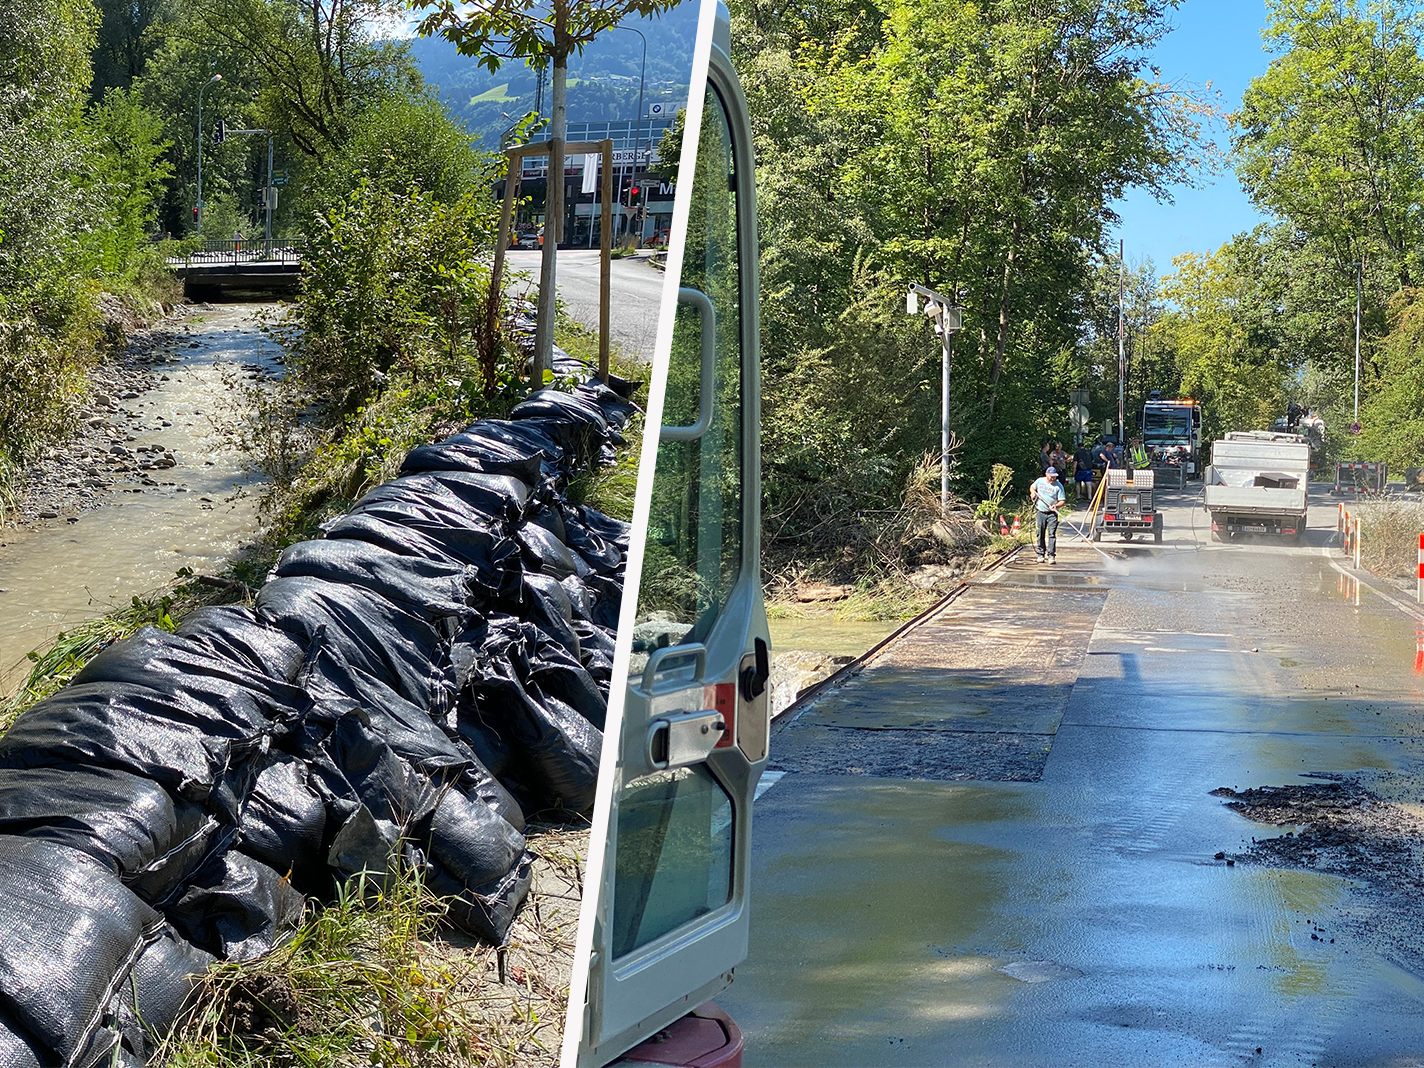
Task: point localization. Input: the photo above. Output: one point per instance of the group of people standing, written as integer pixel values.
(1048, 493)
(1087, 464)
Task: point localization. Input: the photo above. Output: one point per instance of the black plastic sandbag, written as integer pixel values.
(552, 750)
(580, 598)
(607, 597)
(545, 553)
(476, 453)
(18, 1048)
(599, 545)
(71, 933)
(549, 670)
(184, 744)
(237, 908)
(408, 653)
(209, 681)
(410, 732)
(613, 400)
(149, 1002)
(407, 729)
(596, 653)
(234, 632)
(455, 499)
(576, 423)
(430, 588)
(521, 438)
(284, 823)
(548, 606)
(486, 911)
(354, 763)
(493, 555)
(133, 826)
(471, 841)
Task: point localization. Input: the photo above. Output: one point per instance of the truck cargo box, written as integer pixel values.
(1258, 482)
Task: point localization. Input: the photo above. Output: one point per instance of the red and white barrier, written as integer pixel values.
(1419, 577)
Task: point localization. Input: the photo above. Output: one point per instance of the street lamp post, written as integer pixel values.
(948, 320)
(202, 89)
(638, 125)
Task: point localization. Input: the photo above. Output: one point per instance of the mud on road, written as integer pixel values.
(1339, 826)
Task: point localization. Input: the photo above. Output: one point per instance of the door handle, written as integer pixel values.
(685, 738)
(708, 382)
(674, 654)
(754, 677)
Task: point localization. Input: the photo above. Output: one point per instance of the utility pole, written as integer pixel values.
(1121, 346)
(1359, 303)
(269, 195)
(198, 207)
(948, 319)
(638, 124)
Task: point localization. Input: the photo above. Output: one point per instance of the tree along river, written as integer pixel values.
(149, 486)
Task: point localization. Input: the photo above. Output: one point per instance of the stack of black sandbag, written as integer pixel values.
(406, 690)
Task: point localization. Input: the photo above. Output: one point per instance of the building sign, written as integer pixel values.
(539, 166)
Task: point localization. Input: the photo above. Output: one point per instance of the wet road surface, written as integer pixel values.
(635, 301)
(196, 514)
(996, 843)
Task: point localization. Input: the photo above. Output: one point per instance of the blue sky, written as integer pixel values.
(1216, 42)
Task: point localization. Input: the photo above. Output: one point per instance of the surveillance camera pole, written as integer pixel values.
(948, 319)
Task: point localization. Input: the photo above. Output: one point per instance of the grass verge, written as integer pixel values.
(1389, 536)
(371, 979)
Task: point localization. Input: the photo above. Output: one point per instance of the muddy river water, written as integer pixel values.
(152, 519)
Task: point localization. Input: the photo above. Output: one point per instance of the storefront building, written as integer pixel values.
(642, 199)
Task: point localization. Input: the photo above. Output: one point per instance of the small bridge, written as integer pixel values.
(222, 267)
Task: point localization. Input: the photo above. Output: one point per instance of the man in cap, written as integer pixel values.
(1048, 497)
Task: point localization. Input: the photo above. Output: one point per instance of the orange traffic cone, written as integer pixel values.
(1003, 527)
(1016, 526)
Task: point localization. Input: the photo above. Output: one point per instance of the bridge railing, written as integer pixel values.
(242, 250)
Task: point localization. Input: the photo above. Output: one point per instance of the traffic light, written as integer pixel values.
(219, 132)
(632, 195)
(195, 214)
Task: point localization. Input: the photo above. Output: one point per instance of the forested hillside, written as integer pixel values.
(603, 81)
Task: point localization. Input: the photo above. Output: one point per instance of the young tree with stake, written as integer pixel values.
(539, 32)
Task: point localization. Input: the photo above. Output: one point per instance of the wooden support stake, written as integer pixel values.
(515, 156)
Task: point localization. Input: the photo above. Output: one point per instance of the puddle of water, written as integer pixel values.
(824, 633)
(1039, 971)
(58, 574)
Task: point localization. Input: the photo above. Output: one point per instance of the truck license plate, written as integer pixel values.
(1254, 528)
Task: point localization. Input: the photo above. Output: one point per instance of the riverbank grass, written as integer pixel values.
(372, 979)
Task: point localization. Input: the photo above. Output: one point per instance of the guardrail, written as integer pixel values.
(241, 250)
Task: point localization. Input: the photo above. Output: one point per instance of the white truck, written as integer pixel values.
(1258, 483)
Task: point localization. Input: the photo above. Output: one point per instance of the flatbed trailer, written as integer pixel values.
(1258, 483)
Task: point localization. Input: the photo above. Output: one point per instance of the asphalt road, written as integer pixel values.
(997, 844)
(635, 301)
